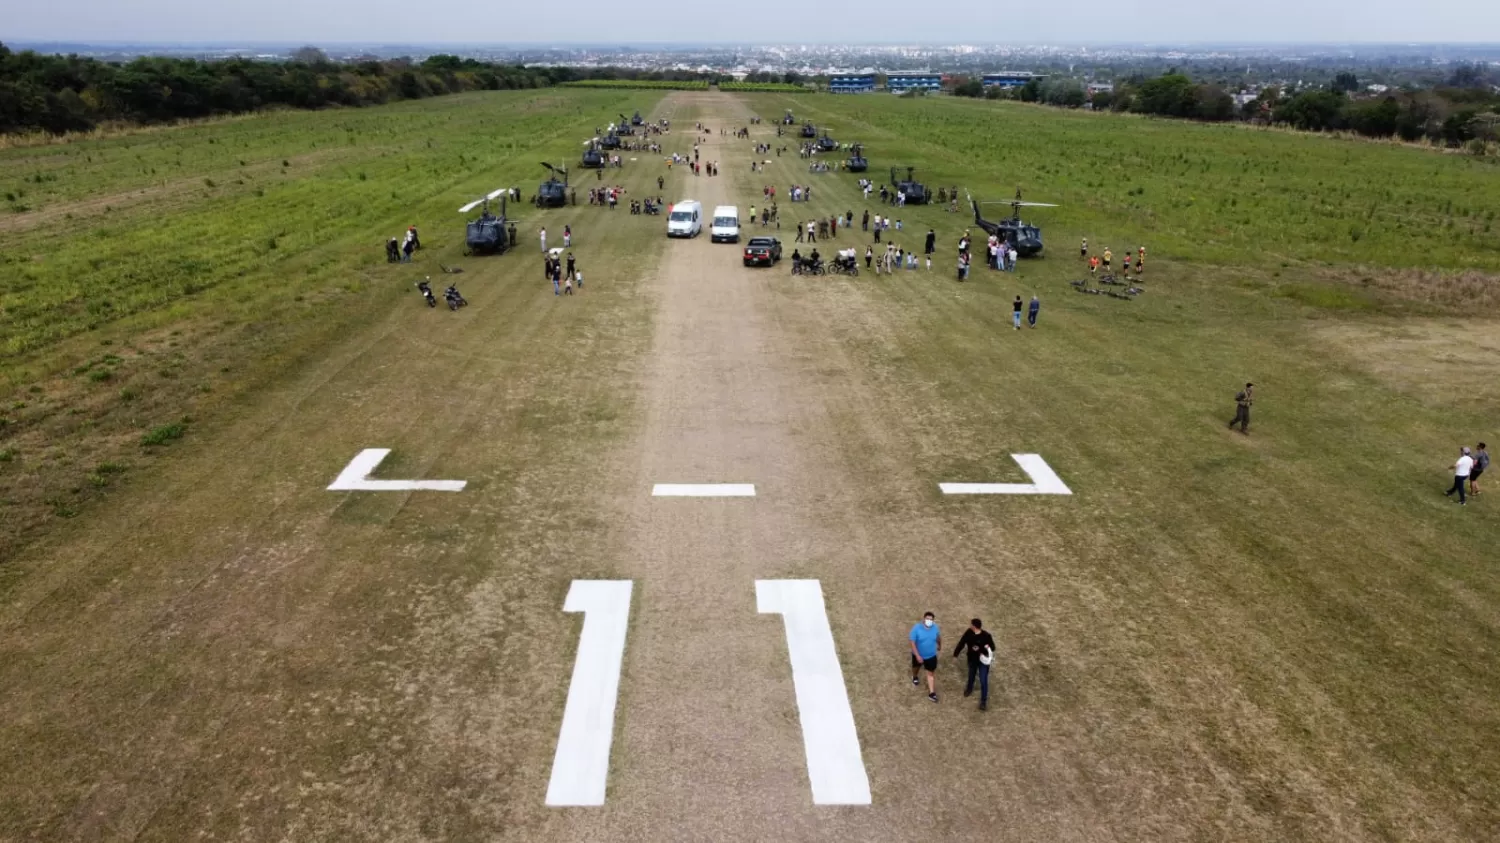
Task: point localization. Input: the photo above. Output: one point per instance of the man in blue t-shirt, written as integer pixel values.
(926, 639)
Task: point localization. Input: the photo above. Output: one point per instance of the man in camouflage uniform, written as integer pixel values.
(1242, 402)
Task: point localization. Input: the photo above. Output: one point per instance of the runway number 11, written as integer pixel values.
(580, 769)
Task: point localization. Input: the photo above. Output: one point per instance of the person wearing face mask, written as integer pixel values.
(926, 640)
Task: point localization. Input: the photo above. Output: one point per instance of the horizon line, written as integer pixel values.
(86, 42)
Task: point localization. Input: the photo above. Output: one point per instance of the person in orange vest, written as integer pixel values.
(1094, 265)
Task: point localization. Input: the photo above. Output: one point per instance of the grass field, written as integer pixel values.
(153, 276)
(1283, 636)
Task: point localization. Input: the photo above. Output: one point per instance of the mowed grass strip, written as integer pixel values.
(1278, 637)
(173, 270)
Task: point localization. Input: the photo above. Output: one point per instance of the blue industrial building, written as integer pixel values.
(851, 83)
(1010, 80)
(899, 83)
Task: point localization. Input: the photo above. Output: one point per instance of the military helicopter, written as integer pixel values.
(827, 144)
(1027, 239)
(593, 159)
(610, 141)
(857, 162)
(553, 193)
(788, 120)
(916, 193)
(624, 128)
(809, 130)
(487, 234)
(637, 119)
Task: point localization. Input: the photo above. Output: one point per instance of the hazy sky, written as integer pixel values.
(780, 21)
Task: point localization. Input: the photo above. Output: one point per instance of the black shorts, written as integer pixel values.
(1474, 474)
(929, 665)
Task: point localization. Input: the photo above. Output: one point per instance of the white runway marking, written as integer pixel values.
(703, 490)
(834, 764)
(356, 477)
(1044, 481)
(580, 769)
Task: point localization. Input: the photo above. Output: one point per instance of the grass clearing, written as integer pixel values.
(1213, 606)
(1211, 195)
(1274, 637)
(283, 253)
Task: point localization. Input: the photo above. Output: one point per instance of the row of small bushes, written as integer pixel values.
(641, 84)
(761, 88)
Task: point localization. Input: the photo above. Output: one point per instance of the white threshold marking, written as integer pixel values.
(580, 769)
(703, 490)
(356, 477)
(1044, 481)
(834, 765)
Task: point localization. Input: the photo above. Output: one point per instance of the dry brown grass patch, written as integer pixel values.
(1466, 291)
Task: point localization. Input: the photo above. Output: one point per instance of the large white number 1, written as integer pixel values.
(580, 769)
(834, 765)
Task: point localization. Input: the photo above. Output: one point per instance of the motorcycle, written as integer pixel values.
(427, 293)
(455, 299)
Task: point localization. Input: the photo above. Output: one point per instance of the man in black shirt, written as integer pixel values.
(980, 646)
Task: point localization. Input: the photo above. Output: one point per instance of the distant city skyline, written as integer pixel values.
(607, 23)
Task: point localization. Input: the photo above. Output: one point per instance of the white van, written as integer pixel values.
(686, 219)
(726, 227)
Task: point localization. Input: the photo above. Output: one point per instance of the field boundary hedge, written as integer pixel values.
(639, 84)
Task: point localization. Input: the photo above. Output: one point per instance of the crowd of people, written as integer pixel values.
(401, 251)
(606, 196)
(563, 280)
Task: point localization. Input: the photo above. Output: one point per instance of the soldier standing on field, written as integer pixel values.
(1242, 402)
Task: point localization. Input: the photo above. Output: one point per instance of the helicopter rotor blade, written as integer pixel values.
(1031, 204)
(488, 197)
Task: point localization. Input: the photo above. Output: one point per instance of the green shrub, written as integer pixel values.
(163, 434)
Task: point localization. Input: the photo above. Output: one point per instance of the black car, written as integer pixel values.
(762, 251)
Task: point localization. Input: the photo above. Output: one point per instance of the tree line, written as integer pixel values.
(57, 94)
(1466, 110)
